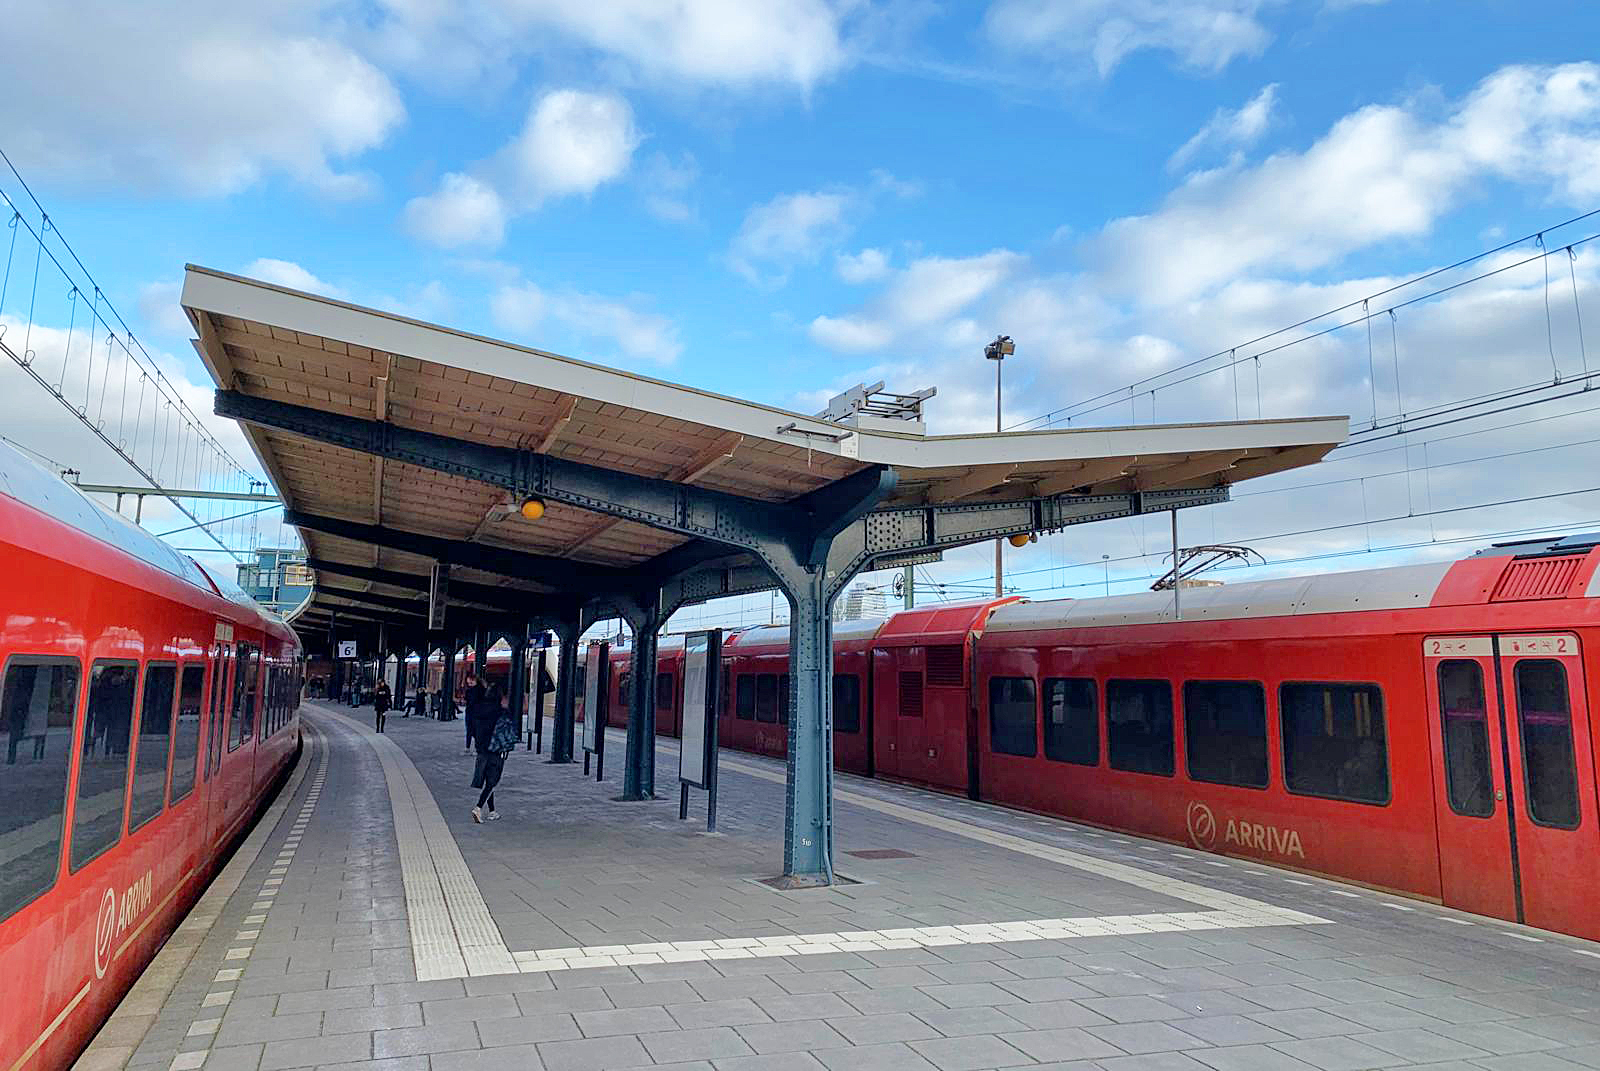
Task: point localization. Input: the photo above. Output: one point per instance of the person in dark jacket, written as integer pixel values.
(472, 702)
(482, 718)
(380, 703)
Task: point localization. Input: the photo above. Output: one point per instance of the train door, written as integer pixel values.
(1514, 764)
(217, 790)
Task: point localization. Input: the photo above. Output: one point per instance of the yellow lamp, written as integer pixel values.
(1021, 539)
(533, 508)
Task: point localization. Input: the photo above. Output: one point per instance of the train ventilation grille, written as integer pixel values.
(1537, 578)
(911, 695)
(944, 665)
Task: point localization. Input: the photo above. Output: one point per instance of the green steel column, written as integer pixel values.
(639, 768)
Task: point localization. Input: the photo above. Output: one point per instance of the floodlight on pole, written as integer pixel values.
(997, 351)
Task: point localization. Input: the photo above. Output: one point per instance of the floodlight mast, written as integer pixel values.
(997, 351)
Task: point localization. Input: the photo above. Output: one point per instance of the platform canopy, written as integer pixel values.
(358, 510)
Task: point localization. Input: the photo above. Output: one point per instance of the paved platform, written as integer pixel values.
(381, 930)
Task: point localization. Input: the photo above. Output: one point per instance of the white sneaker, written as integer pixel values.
(494, 816)
(477, 814)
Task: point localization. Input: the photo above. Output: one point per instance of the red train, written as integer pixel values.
(1424, 729)
(147, 708)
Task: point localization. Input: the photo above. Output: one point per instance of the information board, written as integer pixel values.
(693, 759)
(594, 666)
(347, 648)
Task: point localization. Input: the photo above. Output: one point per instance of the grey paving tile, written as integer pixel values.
(1132, 1009)
(414, 1040)
(1281, 997)
(1249, 1058)
(562, 1000)
(596, 1024)
(970, 1053)
(388, 1016)
(644, 994)
(1381, 1015)
(1039, 990)
(720, 988)
(1052, 1014)
(960, 1022)
(778, 1061)
(527, 1029)
(1211, 1002)
(309, 1052)
(520, 1057)
(593, 1054)
(1524, 1061)
(469, 1009)
(894, 1056)
(1306, 1023)
(1339, 1054)
(324, 1000)
(710, 1043)
(879, 1001)
(976, 994)
(818, 982)
(1155, 1061)
(399, 1063)
(1567, 1029)
(1421, 1046)
(888, 977)
(235, 1057)
(1147, 1037)
(810, 1005)
(717, 1013)
(242, 1029)
(795, 1036)
(1498, 1038)
(1231, 1030)
(416, 992)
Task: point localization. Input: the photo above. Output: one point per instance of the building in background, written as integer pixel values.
(278, 578)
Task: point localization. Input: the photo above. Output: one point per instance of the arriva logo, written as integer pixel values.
(115, 918)
(1202, 826)
(1255, 836)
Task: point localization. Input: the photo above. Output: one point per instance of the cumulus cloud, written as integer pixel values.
(1203, 34)
(1383, 172)
(666, 185)
(867, 266)
(605, 328)
(739, 44)
(288, 273)
(930, 293)
(461, 212)
(184, 96)
(791, 228)
(572, 143)
(1231, 129)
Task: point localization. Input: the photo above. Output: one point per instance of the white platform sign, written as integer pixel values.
(591, 696)
(692, 752)
(347, 648)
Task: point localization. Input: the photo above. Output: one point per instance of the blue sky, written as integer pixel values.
(777, 200)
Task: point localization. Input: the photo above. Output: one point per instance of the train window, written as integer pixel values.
(1225, 732)
(155, 743)
(103, 760)
(663, 691)
(767, 698)
(1544, 718)
(246, 687)
(1013, 716)
(911, 694)
(1139, 726)
(1071, 721)
(37, 702)
(186, 738)
(744, 707)
(1333, 741)
(846, 703)
(1465, 712)
(219, 702)
(783, 699)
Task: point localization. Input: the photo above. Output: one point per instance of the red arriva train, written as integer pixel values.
(1424, 729)
(147, 708)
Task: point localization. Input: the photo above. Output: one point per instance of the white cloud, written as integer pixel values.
(740, 44)
(867, 266)
(1383, 172)
(591, 320)
(288, 273)
(462, 212)
(188, 96)
(792, 228)
(572, 143)
(1204, 34)
(1231, 129)
(159, 308)
(926, 296)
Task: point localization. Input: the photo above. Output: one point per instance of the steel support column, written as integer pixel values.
(447, 683)
(568, 628)
(639, 768)
(516, 685)
(400, 679)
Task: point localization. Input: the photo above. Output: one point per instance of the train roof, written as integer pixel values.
(42, 490)
(778, 635)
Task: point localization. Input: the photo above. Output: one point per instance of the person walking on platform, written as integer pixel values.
(494, 731)
(380, 703)
(472, 703)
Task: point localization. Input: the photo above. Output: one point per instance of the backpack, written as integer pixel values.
(505, 734)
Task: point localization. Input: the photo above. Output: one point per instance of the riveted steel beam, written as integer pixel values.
(509, 599)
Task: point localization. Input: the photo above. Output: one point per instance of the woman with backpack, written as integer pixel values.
(494, 732)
